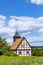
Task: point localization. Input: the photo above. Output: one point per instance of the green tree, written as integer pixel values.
(5, 49)
(37, 51)
(3, 46)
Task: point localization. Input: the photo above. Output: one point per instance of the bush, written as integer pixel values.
(10, 53)
(37, 52)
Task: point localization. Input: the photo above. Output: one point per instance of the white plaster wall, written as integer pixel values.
(24, 48)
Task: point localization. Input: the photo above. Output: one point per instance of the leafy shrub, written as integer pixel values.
(37, 51)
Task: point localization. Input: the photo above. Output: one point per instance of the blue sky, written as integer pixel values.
(25, 16)
(20, 8)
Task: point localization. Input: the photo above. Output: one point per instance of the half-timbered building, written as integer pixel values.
(21, 46)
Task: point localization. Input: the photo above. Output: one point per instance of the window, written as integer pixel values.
(19, 52)
(22, 45)
(27, 52)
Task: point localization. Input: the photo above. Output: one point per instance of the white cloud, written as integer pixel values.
(25, 25)
(2, 17)
(41, 31)
(36, 41)
(10, 41)
(35, 1)
(2, 20)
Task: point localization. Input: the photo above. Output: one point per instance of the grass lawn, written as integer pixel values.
(8, 60)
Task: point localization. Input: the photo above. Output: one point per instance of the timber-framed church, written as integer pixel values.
(20, 45)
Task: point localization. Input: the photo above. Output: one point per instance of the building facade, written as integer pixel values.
(21, 46)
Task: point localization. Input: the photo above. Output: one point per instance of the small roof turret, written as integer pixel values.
(16, 35)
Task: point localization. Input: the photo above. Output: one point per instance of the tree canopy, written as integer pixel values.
(37, 51)
(4, 48)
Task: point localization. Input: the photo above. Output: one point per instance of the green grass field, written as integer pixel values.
(5, 60)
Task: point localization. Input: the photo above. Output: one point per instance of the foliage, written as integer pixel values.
(10, 53)
(5, 49)
(3, 46)
(37, 51)
(5, 60)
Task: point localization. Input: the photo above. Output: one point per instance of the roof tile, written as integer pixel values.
(16, 43)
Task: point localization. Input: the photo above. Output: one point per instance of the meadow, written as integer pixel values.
(8, 60)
